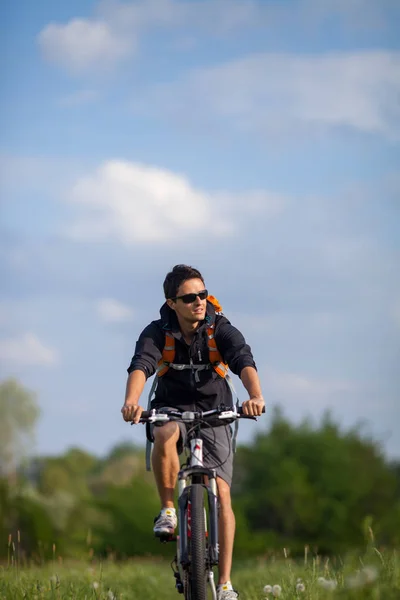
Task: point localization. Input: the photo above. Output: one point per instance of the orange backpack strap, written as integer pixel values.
(215, 357)
(168, 355)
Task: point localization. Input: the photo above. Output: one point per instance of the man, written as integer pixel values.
(186, 315)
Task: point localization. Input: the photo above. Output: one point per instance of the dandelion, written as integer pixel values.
(276, 591)
(300, 587)
(327, 584)
(267, 589)
(366, 576)
(95, 585)
(370, 574)
(331, 585)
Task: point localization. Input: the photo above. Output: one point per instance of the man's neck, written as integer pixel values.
(188, 329)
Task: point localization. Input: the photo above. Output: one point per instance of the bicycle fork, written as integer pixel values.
(183, 559)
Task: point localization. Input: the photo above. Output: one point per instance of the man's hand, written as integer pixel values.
(253, 407)
(132, 412)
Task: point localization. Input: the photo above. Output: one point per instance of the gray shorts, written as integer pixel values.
(217, 448)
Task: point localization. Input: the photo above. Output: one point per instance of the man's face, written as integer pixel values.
(195, 311)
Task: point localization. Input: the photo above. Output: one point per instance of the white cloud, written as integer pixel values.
(130, 203)
(224, 16)
(112, 311)
(209, 15)
(282, 93)
(27, 350)
(113, 33)
(83, 44)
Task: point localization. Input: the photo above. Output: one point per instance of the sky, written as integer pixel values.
(258, 141)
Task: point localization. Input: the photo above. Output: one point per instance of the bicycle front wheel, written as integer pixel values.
(196, 576)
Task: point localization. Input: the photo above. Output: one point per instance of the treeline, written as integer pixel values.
(313, 485)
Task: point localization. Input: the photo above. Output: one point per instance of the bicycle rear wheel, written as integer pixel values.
(196, 576)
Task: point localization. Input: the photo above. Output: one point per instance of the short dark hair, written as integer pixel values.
(177, 276)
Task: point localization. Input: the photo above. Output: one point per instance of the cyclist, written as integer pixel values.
(192, 383)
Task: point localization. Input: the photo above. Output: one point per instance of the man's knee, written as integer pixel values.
(167, 434)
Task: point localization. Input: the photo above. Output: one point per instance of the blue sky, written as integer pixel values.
(258, 141)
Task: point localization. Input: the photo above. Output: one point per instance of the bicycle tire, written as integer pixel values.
(196, 576)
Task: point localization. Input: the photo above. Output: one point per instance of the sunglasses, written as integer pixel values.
(189, 298)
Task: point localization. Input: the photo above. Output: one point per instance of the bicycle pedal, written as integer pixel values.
(165, 538)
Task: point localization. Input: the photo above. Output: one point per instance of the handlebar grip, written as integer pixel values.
(145, 414)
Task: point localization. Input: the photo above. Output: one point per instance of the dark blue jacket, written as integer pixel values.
(180, 388)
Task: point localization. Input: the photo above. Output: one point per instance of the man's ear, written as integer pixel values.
(171, 303)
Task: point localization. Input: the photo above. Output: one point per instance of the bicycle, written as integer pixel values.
(197, 541)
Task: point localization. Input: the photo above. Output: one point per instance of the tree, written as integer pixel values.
(316, 485)
(69, 472)
(18, 415)
(127, 519)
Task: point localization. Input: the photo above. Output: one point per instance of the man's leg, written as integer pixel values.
(226, 530)
(165, 462)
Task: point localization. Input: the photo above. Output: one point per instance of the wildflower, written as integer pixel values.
(327, 584)
(267, 589)
(366, 576)
(110, 595)
(95, 585)
(300, 587)
(276, 590)
(370, 574)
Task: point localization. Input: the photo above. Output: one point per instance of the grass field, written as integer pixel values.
(375, 576)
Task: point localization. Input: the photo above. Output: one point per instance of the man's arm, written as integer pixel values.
(131, 410)
(143, 365)
(251, 382)
(237, 353)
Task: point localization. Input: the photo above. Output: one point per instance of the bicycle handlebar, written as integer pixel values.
(222, 413)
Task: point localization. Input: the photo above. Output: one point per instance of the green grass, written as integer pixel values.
(153, 579)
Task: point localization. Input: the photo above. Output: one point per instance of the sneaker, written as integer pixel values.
(166, 522)
(225, 591)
